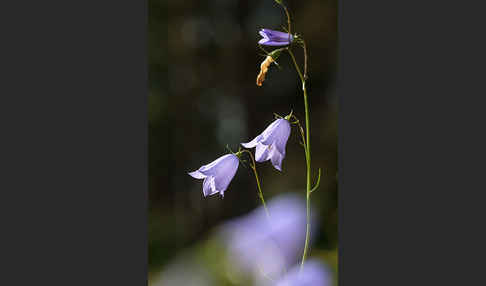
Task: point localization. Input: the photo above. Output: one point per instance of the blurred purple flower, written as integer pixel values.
(313, 273)
(274, 38)
(270, 145)
(217, 175)
(265, 245)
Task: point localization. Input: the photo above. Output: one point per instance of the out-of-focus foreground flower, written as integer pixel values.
(275, 38)
(314, 273)
(217, 175)
(267, 246)
(250, 250)
(271, 143)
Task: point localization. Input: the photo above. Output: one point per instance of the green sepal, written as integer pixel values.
(276, 53)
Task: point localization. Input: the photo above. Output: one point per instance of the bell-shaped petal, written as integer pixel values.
(275, 38)
(270, 145)
(217, 175)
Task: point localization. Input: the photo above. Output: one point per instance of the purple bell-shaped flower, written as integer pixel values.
(270, 144)
(275, 38)
(217, 175)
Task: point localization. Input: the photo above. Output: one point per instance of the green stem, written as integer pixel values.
(260, 193)
(296, 66)
(307, 156)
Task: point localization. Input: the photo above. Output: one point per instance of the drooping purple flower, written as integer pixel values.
(313, 273)
(270, 144)
(274, 38)
(217, 175)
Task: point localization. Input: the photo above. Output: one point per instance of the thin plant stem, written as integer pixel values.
(260, 193)
(288, 20)
(301, 130)
(304, 47)
(296, 66)
(307, 153)
(303, 78)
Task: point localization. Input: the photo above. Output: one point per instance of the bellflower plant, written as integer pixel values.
(270, 144)
(217, 175)
(275, 38)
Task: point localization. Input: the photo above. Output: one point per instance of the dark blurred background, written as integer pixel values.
(203, 61)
